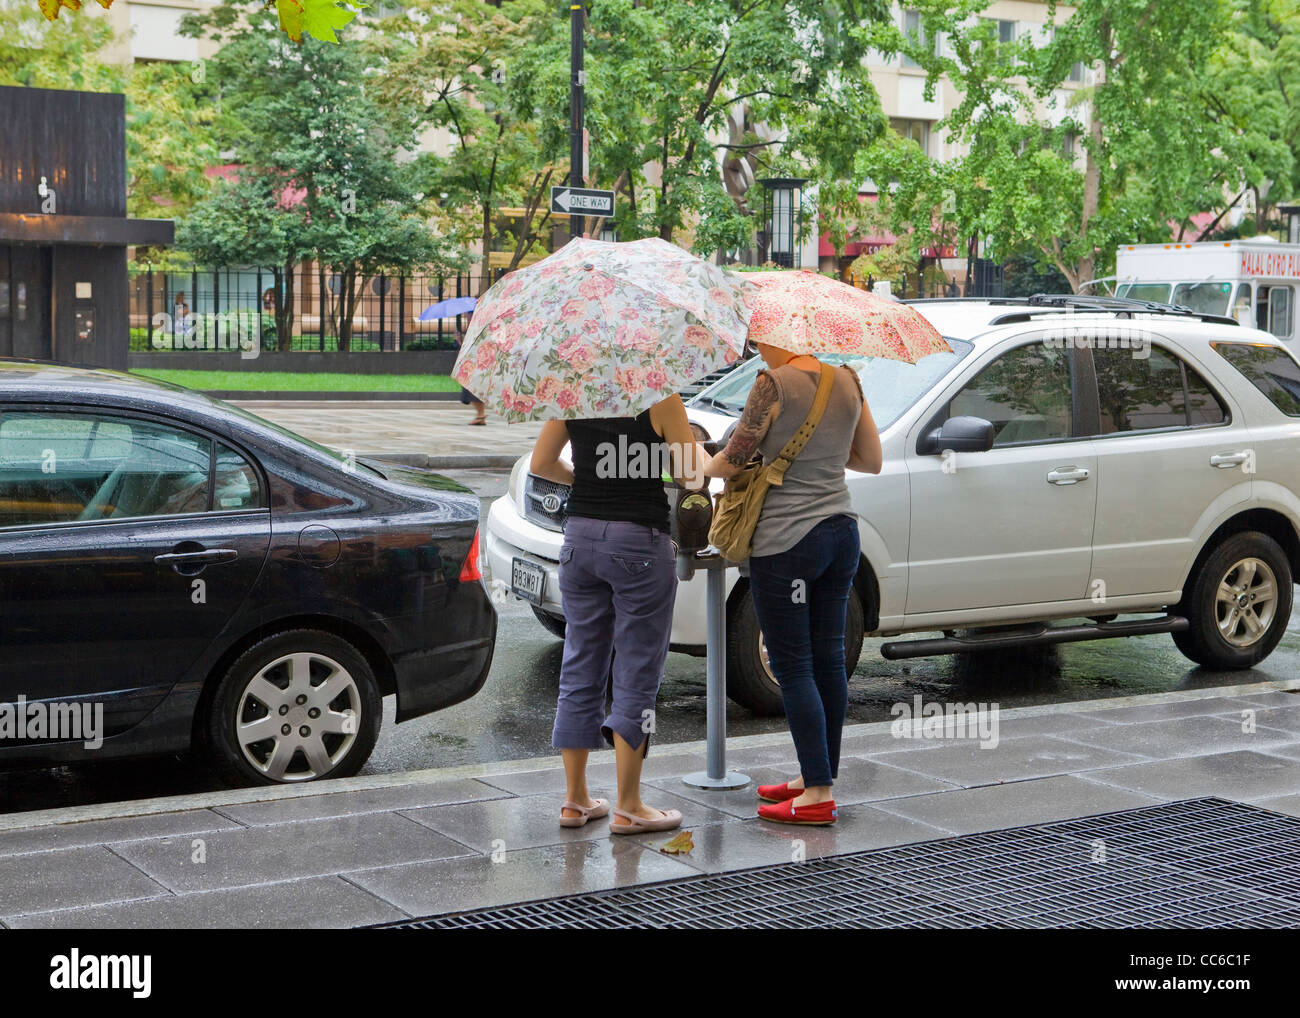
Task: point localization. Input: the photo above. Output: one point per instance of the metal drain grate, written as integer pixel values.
(1201, 863)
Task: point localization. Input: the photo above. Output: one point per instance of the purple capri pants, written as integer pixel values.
(618, 582)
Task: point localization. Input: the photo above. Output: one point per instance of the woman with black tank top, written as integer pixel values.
(618, 582)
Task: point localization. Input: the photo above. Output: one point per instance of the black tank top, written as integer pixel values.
(617, 467)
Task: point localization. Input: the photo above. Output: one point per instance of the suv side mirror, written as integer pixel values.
(960, 434)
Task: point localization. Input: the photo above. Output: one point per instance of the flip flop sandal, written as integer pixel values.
(601, 809)
(670, 820)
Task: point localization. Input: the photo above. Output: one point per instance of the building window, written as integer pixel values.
(1076, 72)
(914, 130)
(914, 31)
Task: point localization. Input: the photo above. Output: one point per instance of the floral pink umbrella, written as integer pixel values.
(804, 312)
(602, 329)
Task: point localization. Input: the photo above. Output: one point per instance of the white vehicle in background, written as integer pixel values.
(1251, 281)
(1040, 472)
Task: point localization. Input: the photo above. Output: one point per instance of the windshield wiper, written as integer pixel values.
(726, 408)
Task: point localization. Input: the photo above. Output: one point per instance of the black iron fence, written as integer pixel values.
(308, 310)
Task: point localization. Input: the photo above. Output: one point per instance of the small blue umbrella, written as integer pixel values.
(449, 308)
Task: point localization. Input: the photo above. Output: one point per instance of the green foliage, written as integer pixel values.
(320, 167)
(1150, 147)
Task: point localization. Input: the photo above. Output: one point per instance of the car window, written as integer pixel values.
(1203, 403)
(1025, 394)
(1270, 369)
(1204, 298)
(890, 386)
(62, 467)
(237, 486)
(1139, 393)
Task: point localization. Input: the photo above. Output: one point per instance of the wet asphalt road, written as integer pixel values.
(511, 717)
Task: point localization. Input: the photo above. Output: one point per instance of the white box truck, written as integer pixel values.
(1253, 281)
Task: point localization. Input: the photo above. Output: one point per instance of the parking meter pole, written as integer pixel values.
(716, 774)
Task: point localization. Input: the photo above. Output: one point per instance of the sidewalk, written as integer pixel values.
(435, 435)
(377, 849)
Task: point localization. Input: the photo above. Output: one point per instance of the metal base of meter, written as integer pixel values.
(731, 779)
(716, 774)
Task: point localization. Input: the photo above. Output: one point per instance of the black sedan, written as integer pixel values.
(177, 574)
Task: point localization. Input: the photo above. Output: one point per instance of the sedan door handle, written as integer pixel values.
(1068, 475)
(1224, 460)
(206, 557)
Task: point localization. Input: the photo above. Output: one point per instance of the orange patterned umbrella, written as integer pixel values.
(805, 312)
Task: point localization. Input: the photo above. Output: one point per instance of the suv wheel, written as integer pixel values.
(554, 624)
(1238, 604)
(294, 707)
(750, 681)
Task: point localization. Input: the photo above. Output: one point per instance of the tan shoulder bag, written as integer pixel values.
(739, 504)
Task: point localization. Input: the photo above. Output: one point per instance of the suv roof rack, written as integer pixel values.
(1122, 307)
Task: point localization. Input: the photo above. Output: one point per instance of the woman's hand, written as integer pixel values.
(546, 460)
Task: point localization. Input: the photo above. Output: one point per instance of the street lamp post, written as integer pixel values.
(783, 219)
(577, 81)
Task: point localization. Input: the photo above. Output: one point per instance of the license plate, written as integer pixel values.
(527, 580)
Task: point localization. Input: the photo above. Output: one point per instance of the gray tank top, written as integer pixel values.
(814, 488)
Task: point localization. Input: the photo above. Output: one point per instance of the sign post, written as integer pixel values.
(577, 84)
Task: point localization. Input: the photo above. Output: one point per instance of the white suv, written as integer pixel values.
(1072, 458)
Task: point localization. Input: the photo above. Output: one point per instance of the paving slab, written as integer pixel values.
(966, 763)
(1186, 736)
(454, 885)
(1269, 698)
(1163, 711)
(749, 843)
(368, 800)
(604, 775)
(533, 821)
(1288, 804)
(285, 851)
(107, 832)
(1242, 775)
(1015, 804)
(316, 903)
(41, 881)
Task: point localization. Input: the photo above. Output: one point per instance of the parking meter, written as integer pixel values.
(691, 518)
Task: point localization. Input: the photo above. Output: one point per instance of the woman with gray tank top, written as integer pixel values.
(804, 557)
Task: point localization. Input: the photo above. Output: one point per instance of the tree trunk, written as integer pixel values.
(284, 306)
(347, 307)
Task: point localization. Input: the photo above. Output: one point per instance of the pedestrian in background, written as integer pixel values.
(803, 559)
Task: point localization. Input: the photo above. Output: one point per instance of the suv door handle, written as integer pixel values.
(1068, 475)
(1223, 460)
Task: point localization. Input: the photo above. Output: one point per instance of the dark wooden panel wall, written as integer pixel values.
(76, 140)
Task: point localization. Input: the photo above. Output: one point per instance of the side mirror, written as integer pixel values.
(960, 434)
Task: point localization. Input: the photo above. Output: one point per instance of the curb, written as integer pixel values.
(268, 793)
(233, 395)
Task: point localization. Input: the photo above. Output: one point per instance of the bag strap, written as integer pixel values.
(805, 431)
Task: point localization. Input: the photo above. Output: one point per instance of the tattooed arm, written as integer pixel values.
(761, 409)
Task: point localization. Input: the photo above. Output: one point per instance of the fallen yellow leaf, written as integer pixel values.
(682, 843)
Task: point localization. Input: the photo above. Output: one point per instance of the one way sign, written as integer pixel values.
(582, 202)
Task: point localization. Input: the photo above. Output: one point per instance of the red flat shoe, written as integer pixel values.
(778, 793)
(820, 814)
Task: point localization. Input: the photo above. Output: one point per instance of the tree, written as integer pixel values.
(306, 119)
(251, 221)
(1151, 149)
(459, 66)
(319, 19)
(668, 79)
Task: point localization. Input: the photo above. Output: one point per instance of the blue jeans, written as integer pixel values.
(618, 582)
(801, 597)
